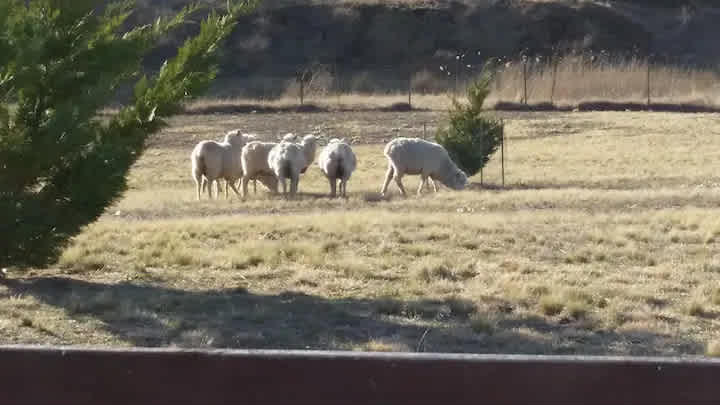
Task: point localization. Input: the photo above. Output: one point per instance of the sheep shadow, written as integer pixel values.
(149, 314)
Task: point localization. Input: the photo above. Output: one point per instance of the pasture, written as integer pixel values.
(605, 240)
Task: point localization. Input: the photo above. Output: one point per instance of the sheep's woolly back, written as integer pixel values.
(254, 158)
(418, 156)
(337, 160)
(286, 159)
(251, 137)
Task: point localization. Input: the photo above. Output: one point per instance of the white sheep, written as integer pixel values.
(213, 160)
(428, 159)
(286, 159)
(267, 181)
(254, 161)
(248, 138)
(309, 146)
(337, 161)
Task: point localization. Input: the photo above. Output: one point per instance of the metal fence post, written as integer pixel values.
(525, 95)
(502, 151)
(648, 79)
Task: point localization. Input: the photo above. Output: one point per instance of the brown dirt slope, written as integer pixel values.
(375, 41)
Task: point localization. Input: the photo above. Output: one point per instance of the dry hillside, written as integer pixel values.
(379, 42)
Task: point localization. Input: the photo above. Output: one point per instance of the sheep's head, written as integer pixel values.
(309, 140)
(458, 181)
(309, 146)
(289, 137)
(250, 137)
(234, 138)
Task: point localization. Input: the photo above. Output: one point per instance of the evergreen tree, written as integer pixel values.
(471, 138)
(61, 61)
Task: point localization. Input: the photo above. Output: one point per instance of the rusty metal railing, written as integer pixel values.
(71, 375)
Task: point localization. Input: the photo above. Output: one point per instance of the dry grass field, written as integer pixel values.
(605, 240)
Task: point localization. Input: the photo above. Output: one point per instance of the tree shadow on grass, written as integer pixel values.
(153, 315)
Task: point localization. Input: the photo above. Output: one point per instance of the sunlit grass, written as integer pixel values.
(604, 241)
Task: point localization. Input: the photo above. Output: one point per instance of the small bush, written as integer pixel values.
(715, 296)
(471, 138)
(481, 325)
(551, 305)
(696, 309)
(578, 309)
(713, 349)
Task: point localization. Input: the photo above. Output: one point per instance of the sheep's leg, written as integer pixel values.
(283, 185)
(332, 186)
(388, 176)
(198, 187)
(209, 189)
(343, 185)
(429, 182)
(423, 182)
(254, 186)
(398, 180)
(244, 183)
(234, 188)
(434, 184)
(294, 180)
(227, 187)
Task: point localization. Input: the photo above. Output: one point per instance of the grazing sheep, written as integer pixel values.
(254, 161)
(417, 156)
(337, 161)
(217, 160)
(286, 159)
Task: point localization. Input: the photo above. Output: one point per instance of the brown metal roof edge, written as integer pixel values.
(323, 354)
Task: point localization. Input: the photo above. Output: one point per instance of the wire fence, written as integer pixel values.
(524, 79)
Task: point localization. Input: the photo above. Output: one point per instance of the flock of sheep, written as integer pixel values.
(242, 157)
